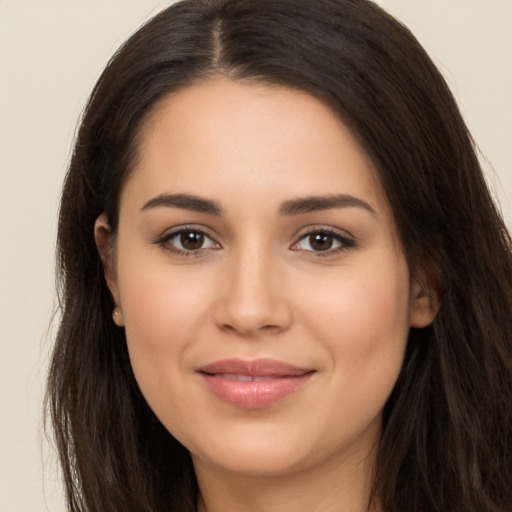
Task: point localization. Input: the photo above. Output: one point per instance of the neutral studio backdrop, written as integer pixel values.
(51, 52)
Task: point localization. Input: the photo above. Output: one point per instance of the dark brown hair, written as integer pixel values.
(447, 439)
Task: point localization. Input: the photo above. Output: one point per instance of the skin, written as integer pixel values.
(257, 288)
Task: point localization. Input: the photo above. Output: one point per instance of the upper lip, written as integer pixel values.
(254, 368)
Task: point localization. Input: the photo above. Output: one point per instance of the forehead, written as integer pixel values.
(255, 140)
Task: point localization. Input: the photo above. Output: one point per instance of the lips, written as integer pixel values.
(242, 378)
(253, 384)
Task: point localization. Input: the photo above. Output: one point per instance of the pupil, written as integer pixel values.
(321, 241)
(191, 240)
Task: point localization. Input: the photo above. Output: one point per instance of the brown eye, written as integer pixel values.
(192, 240)
(321, 241)
(187, 242)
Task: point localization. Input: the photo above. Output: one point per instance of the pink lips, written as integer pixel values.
(253, 384)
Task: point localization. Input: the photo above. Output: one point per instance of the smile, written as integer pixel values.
(242, 378)
(253, 384)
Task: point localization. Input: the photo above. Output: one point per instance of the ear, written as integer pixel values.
(425, 303)
(104, 243)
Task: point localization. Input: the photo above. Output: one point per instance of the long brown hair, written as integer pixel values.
(447, 438)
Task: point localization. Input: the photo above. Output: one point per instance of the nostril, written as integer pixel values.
(248, 331)
(250, 305)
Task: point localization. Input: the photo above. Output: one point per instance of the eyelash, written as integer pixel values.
(344, 242)
(165, 242)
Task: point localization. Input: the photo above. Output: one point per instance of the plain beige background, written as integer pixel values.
(51, 52)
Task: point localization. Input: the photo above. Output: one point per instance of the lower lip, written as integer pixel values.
(254, 394)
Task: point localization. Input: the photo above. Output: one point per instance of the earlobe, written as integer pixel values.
(425, 304)
(103, 237)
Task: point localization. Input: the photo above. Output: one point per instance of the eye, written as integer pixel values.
(323, 241)
(187, 241)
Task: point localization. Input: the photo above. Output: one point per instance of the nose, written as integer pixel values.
(253, 297)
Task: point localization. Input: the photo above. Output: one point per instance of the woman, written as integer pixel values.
(284, 283)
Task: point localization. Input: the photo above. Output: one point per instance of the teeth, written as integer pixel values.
(242, 378)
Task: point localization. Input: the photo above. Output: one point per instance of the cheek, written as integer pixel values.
(364, 325)
(379, 308)
(363, 321)
(163, 311)
(362, 300)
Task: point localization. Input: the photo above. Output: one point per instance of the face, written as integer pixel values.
(264, 292)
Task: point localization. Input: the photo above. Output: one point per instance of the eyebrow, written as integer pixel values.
(185, 201)
(288, 208)
(314, 203)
